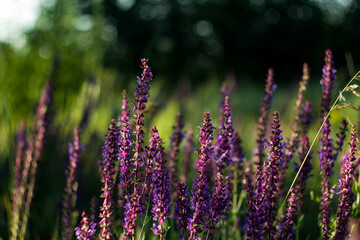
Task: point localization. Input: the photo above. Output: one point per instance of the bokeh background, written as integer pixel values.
(193, 46)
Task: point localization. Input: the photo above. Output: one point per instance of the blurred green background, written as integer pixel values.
(193, 46)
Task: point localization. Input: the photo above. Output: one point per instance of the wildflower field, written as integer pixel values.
(199, 171)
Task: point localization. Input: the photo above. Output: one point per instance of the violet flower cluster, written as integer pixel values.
(125, 145)
(182, 209)
(200, 201)
(326, 144)
(287, 230)
(267, 101)
(218, 207)
(135, 205)
(110, 154)
(161, 182)
(142, 95)
(327, 83)
(87, 229)
(224, 139)
(345, 184)
(252, 221)
(270, 178)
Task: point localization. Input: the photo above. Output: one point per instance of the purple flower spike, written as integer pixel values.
(253, 222)
(182, 209)
(287, 222)
(161, 183)
(110, 153)
(87, 229)
(346, 182)
(326, 165)
(264, 111)
(327, 83)
(270, 178)
(200, 201)
(175, 141)
(225, 137)
(125, 144)
(219, 203)
(142, 95)
(134, 208)
(188, 150)
(70, 190)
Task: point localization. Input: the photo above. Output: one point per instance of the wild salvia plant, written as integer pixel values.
(346, 192)
(182, 210)
(24, 194)
(70, 194)
(135, 205)
(124, 154)
(200, 201)
(107, 167)
(286, 230)
(264, 111)
(326, 145)
(87, 228)
(161, 185)
(270, 179)
(252, 221)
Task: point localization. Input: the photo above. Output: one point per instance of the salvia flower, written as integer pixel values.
(346, 182)
(252, 221)
(270, 178)
(142, 94)
(125, 145)
(287, 230)
(200, 199)
(225, 137)
(264, 111)
(71, 185)
(326, 165)
(327, 83)
(161, 182)
(87, 229)
(219, 202)
(182, 209)
(134, 208)
(110, 153)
